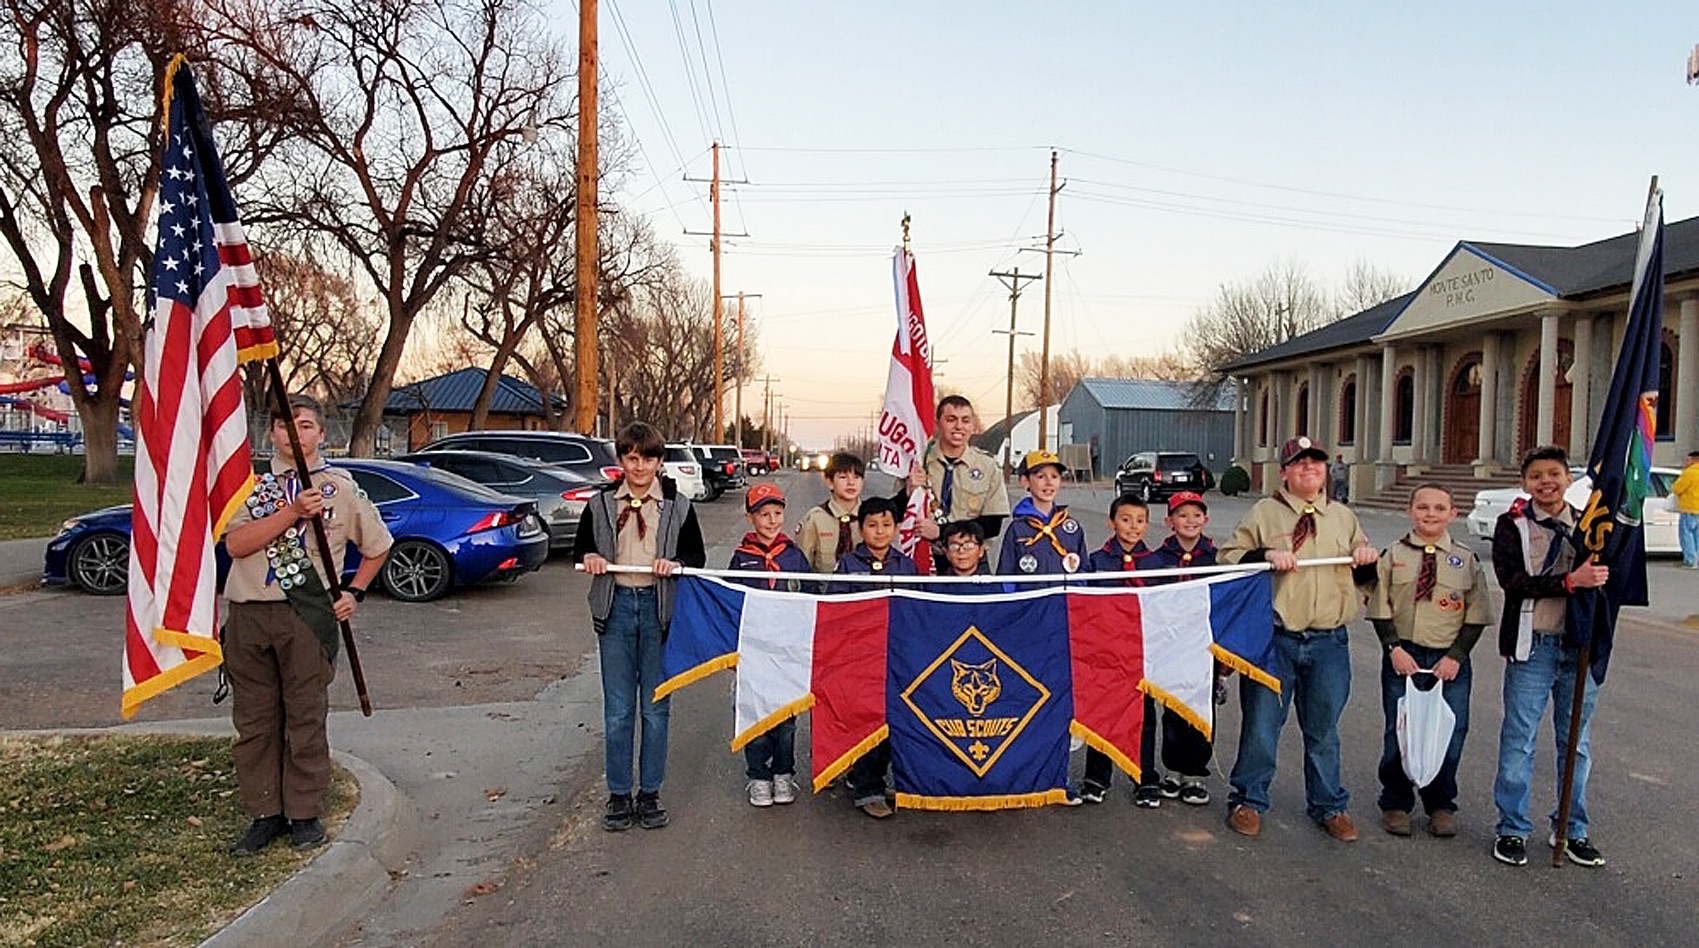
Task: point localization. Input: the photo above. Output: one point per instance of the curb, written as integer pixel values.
(352, 873)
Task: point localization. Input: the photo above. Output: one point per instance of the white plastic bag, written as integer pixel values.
(1425, 723)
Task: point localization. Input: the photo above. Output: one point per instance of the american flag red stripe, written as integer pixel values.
(193, 467)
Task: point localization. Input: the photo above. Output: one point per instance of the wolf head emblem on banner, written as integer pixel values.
(975, 686)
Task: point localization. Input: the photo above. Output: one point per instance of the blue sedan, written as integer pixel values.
(448, 532)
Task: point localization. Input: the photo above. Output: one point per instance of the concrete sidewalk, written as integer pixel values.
(20, 562)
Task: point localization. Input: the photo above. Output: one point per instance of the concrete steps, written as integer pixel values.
(1460, 478)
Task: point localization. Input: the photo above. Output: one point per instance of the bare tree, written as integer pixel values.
(1367, 285)
(1250, 316)
(414, 113)
(1066, 369)
(328, 333)
(1170, 365)
(78, 174)
(660, 343)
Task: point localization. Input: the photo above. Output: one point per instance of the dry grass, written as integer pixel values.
(39, 491)
(123, 840)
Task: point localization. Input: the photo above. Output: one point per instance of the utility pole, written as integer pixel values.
(1012, 280)
(766, 410)
(719, 324)
(742, 367)
(1049, 273)
(584, 243)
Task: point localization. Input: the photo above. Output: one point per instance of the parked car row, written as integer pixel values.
(463, 509)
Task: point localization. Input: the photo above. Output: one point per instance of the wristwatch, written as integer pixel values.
(355, 591)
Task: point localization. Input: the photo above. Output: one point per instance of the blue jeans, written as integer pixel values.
(1396, 790)
(630, 647)
(1687, 525)
(772, 753)
(1314, 670)
(1549, 673)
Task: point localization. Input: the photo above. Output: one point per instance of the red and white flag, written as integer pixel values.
(193, 467)
(906, 423)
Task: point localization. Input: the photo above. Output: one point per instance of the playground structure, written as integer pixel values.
(28, 425)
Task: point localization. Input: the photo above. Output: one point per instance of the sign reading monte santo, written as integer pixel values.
(1466, 287)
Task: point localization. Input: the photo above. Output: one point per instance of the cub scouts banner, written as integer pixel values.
(978, 694)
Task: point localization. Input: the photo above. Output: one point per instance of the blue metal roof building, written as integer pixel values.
(1122, 417)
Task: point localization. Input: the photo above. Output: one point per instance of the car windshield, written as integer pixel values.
(725, 454)
(459, 484)
(679, 454)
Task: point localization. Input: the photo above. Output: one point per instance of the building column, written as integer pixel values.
(1388, 399)
(1238, 419)
(1318, 395)
(1360, 447)
(1687, 381)
(1420, 425)
(1546, 378)
(1581, 388)
(1487, 454)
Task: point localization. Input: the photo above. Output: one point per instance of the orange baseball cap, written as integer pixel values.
(762, 494)
(1181, 499)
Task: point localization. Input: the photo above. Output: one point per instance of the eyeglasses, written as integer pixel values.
(965, 545)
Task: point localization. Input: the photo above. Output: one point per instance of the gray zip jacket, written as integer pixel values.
(680, 539)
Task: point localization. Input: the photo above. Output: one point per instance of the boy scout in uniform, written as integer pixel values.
(1429, 606)
(829, 531)
(281, 638)
(1310, 655)
(966, 483)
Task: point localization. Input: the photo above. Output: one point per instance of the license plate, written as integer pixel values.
(1182, 477)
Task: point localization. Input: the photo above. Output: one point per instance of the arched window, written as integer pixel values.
(1262, 420)
(1404, 409)
(1302, 423)
(1348, 411)
(1666, 392)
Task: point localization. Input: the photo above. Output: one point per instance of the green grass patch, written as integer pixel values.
(39, 491)
(124, 840)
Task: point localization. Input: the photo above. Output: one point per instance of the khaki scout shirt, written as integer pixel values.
(1460, 592)
(817, 534)
(1312, 598)
(629, 548)
(978, 489)
(1550, 612)
(349, 517)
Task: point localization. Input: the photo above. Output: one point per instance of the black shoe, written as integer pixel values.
(306, 834)
(1580, 851)
(1148, 796)
(1170, 787)
(618, 815)
(1511, 850)
(1092, 793)
(260, 834)
(650, 814)
(1194, 794)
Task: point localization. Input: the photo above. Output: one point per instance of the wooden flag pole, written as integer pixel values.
(1571, 750)
(334, 581)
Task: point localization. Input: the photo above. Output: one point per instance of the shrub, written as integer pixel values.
(1234, 481)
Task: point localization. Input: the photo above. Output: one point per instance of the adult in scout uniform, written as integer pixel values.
(281, 639)
(1310, 655)
(966, 483)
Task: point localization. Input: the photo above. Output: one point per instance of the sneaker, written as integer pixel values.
(306, 834)
(1170, 787)
(1194, 793)
(1442, 824)
(1580, 851)
(784, 789)
(1071, 797)
(618, 816)
(1511, 850)
(878, 809)
(260, 834)
(1092, 794)
(1148, 796)
(1340, 827)
(650, 814)
(760, 792)
(1396, 822)
(1244, 821)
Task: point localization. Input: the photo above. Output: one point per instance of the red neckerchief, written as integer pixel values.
(769, 554)
(1172, 545)
(1129, 558)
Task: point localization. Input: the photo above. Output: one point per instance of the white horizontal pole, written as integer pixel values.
(981, 578)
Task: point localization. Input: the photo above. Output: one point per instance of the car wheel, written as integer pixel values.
(100, 564)
(417, 571)
(1145, 492)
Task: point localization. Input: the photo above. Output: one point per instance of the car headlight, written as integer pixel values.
(70, 525)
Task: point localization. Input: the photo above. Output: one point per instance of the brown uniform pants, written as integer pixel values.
(279, 685)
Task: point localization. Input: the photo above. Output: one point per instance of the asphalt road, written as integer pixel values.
(488, 719)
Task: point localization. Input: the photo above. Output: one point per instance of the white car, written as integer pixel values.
(1660, 513)
(681, 465)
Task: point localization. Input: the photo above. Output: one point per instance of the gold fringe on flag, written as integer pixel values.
(833, 770)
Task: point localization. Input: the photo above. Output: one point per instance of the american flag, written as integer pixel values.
(193, 468)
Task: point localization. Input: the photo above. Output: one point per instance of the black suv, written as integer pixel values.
(591, 458)
(1153, 475)
(722, 467)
